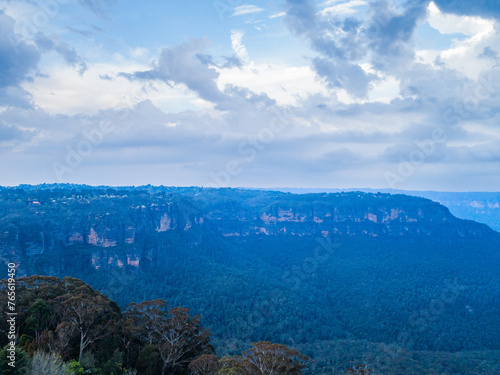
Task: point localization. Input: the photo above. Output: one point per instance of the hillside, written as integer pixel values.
(483, 207)
(306, 270)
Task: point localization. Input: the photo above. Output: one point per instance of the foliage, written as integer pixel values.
(48, 364)
(168, 340)
(264, 358)
(75, 368)
(359, 370)
(267, 358)
(177, 337)
(207, 364)
(21, 363)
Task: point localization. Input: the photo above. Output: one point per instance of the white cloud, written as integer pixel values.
(65, 91)
(171, 124)
(276, 15)
(281, 82)
(288, 85)
(344, 8)
(462, 54)
(238, 47)
(246, 9)
(476, 27)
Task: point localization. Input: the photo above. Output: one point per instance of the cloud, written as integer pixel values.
(337, 64)
(106, 77)
(246, 9)
(342, 74)
(343, 8)
(18, 60)
(64, 91)
(353, 108)
(85, 33)
(68, 53)
(485, 8)
(10, 132)
(463, 54)
(488, 53)
(232, 61)
(238, 47)
(390, 35)
(181, 65)
(98, 7)
(276, 15)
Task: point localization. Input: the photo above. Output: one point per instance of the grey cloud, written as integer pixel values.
(205, 59)
(488, 152)
(67, 52)
(98, 7)
(451, 99)
(11, 132)
(17, 58)
(84, 33)
(179, 64)
(205, 141)
(15, 96)
(386, 40)
(404, 152)
(186, 64)
(339, 55)
(232, 61)
(340, 73)
(106, 77)
(390, 34)
(257, 100)
(302, 20)
(488, 53)
(442, 152)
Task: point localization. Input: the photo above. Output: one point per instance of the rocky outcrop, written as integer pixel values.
(127, 230)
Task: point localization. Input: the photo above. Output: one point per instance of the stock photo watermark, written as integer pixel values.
(74, 156)
(418, 323)
(11, 314)
(251, 147)
(407, 166)
(291, 280)
(30, 26)
(226, 8)
(461, 111)
(94, 134)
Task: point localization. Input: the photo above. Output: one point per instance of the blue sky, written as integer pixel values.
(280, 93)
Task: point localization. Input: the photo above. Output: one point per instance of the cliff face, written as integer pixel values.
(351, 214)
(127, 228)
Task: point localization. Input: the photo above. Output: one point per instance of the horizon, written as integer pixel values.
(274, 188)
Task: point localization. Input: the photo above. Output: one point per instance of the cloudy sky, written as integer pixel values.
(279, 93)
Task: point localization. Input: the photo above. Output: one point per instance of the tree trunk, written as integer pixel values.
(81, 348)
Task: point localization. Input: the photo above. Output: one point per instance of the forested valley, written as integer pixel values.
(328, 282)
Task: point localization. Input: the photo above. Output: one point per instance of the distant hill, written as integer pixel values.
(483, 207)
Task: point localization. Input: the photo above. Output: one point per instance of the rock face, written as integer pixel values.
(127, 228)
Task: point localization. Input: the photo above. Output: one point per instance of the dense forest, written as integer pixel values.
(393, 281)
(65, 327)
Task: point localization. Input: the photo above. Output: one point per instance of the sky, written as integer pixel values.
(279, 93)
